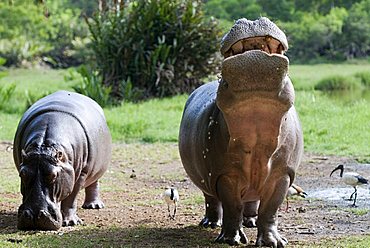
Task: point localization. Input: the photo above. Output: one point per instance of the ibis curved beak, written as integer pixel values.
(339, 167)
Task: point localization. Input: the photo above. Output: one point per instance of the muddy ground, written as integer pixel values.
(136, 215)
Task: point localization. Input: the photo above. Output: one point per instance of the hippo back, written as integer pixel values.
(83, 109)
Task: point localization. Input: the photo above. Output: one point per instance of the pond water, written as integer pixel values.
(349, 95)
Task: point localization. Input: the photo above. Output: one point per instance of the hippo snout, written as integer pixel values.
(42, 219)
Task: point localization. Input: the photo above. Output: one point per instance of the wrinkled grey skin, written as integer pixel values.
(240, 139)
(61, 146)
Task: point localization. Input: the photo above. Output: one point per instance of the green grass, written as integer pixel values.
(305, 77)
(330, 126)
(150, 121)
(350, 242)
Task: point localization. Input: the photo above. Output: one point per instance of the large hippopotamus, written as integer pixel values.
(240, 138)
(62, 145)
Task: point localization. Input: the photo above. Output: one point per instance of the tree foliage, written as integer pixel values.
(155, 47)
(317, 30)
(40, 31)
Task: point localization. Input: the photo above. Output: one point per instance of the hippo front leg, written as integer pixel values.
(69, 210)
(271, 199)
(69, 204)
(229, 194)
(92, 200)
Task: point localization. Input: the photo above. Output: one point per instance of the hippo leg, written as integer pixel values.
(228, 192)
(69, 210)
(213, 212)
(92, 200)
(272, 198)
(250, 214)
(69, 205)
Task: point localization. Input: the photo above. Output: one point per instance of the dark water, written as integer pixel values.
(349, 95)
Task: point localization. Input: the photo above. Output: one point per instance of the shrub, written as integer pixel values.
(90, 85)
(31, 98)
(29, 34)
(364, 77)
(337, 83)
(162, 47)
(6, 93)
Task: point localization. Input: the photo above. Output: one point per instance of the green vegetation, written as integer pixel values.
(160, 47)
(305, 77)
(33, 33)
(338, 83)
(350, 242)
(318, 31)
(330, 126)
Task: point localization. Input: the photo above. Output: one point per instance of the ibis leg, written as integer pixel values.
(355, 194)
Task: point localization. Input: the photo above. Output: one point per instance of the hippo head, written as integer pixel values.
(46, 179)
(254, 72)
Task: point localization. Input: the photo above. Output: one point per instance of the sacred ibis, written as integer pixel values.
(351, 178)
(294, 190)
(171, 196)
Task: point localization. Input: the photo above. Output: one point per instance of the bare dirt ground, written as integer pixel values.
(136, 215)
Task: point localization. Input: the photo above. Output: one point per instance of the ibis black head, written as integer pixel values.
(339, 167)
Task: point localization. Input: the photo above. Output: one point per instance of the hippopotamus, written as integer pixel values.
(240, 138)
(62, 145)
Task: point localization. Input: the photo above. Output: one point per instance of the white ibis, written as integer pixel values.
(294, 190)
(171, 196)
(351, 178)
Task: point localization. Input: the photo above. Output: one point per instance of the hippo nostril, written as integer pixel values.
(27, 214)
(42, 214)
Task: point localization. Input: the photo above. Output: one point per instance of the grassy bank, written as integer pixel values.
(330, 126)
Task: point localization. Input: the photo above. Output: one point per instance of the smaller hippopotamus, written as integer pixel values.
(62, 145)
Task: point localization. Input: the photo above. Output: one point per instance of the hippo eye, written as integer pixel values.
(25, 174)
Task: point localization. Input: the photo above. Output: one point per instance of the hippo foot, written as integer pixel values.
(232, 239)
(96, 204)
(250, 221)
(72, 221)
(271, 239)
(206, 222)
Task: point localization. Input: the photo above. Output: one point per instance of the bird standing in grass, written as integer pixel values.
(294, 190)
(171, 196)
(351, 178)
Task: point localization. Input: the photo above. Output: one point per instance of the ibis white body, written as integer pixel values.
(352, 179)
(171, 197)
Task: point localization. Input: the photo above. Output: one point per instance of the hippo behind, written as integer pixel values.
(240, 139)
(62, 145)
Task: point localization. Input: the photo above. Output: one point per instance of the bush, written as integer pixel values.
(6, 93)
(364, 77)
(337, 83)
(162, 47)
(90, 85)
(29, 35)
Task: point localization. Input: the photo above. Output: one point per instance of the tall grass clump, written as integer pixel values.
(6, 93)
(90, 85)
(338, 83)
(364, 77)
(162, 47)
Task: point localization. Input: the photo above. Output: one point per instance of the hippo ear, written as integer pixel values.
(60, 156)
(23, 155)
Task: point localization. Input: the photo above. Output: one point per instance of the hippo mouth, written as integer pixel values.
(266, 44)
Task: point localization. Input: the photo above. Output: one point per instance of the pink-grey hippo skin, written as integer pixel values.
(61, 146)
(240, 138)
